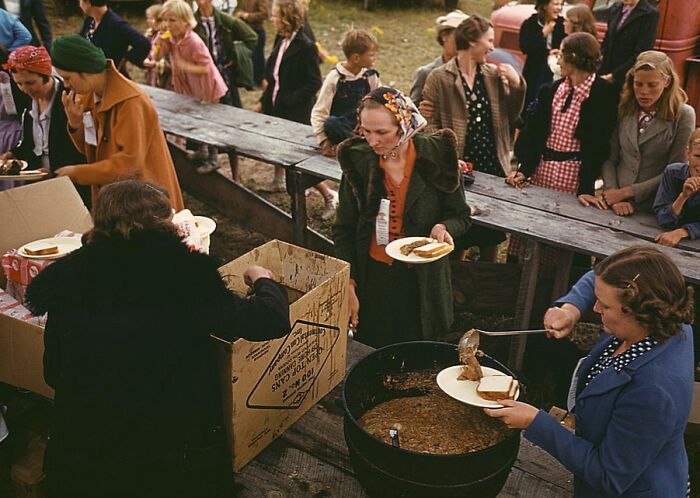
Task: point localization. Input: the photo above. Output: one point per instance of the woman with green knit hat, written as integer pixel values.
(110, 120)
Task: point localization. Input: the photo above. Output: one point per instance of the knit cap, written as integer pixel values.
(77, 54)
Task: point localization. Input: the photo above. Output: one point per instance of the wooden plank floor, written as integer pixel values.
(311, 460)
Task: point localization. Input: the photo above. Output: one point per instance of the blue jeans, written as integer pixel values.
(259, 58)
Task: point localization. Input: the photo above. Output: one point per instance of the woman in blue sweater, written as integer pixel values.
(633, 391)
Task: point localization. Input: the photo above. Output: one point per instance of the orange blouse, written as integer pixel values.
(397, 197)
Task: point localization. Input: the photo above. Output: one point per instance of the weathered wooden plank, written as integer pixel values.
(280, 471)
(540, 464)
(321, 166)
(641, 225)
(562, 274)
(247, 144)
(297, 191)
(233, 117)
(568, 234)
(523, 485)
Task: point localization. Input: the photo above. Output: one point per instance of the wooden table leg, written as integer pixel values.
(297, 191)
(233, 163)
(562, 274)
(526, 298)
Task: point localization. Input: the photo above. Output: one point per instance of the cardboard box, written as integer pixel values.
(29, 213)
(268, 385)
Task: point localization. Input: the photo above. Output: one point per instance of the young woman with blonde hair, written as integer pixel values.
(654, 123)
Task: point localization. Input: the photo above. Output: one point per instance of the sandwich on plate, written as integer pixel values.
(495, 387)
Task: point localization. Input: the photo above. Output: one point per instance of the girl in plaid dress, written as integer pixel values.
(565, 142)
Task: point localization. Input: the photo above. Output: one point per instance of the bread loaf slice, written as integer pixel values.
(433, 250)
(41, 249)
(495, 387)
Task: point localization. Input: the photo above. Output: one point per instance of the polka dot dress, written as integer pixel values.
(620, 361)
(480, 145)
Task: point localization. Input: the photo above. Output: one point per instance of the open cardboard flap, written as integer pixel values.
(38, 211)
(28, 213)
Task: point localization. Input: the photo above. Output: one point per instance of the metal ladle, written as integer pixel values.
(511, 332)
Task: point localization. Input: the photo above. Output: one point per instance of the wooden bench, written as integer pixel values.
(311, 459)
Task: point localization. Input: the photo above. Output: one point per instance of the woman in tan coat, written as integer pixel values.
(112, 121)
(481, 103)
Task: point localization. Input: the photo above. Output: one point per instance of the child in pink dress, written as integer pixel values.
(193, 69)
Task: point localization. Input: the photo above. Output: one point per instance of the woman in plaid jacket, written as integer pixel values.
(565, 142)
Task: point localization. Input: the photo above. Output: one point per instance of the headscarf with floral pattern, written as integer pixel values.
(407, 116)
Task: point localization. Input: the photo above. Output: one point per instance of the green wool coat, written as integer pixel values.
(434, 196)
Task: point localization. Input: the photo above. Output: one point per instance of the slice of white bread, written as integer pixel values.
(433, 249)
(495, 387)
(41, 249)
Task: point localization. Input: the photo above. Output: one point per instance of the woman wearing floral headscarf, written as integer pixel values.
(412, 181)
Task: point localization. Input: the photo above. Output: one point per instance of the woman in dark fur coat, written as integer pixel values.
(137, 408)
(412, 180)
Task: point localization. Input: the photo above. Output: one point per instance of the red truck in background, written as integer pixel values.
(678, 34)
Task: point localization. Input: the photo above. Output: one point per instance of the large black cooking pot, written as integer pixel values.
(388, 471)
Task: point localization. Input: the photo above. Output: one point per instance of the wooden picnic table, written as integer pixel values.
(546, 217)
(311, 460)
(540, 216)
(641, 225)
(239, 132)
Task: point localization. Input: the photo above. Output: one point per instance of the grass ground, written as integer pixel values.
(406, 34)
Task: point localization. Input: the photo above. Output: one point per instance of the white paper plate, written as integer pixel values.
(206, 226)
(465, 390)
(26, 176)
(393, 249)
(65, 245)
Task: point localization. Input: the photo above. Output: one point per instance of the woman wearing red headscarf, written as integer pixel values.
(45, 141)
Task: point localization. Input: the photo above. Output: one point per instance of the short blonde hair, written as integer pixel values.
(291, 14)
(181, 10)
